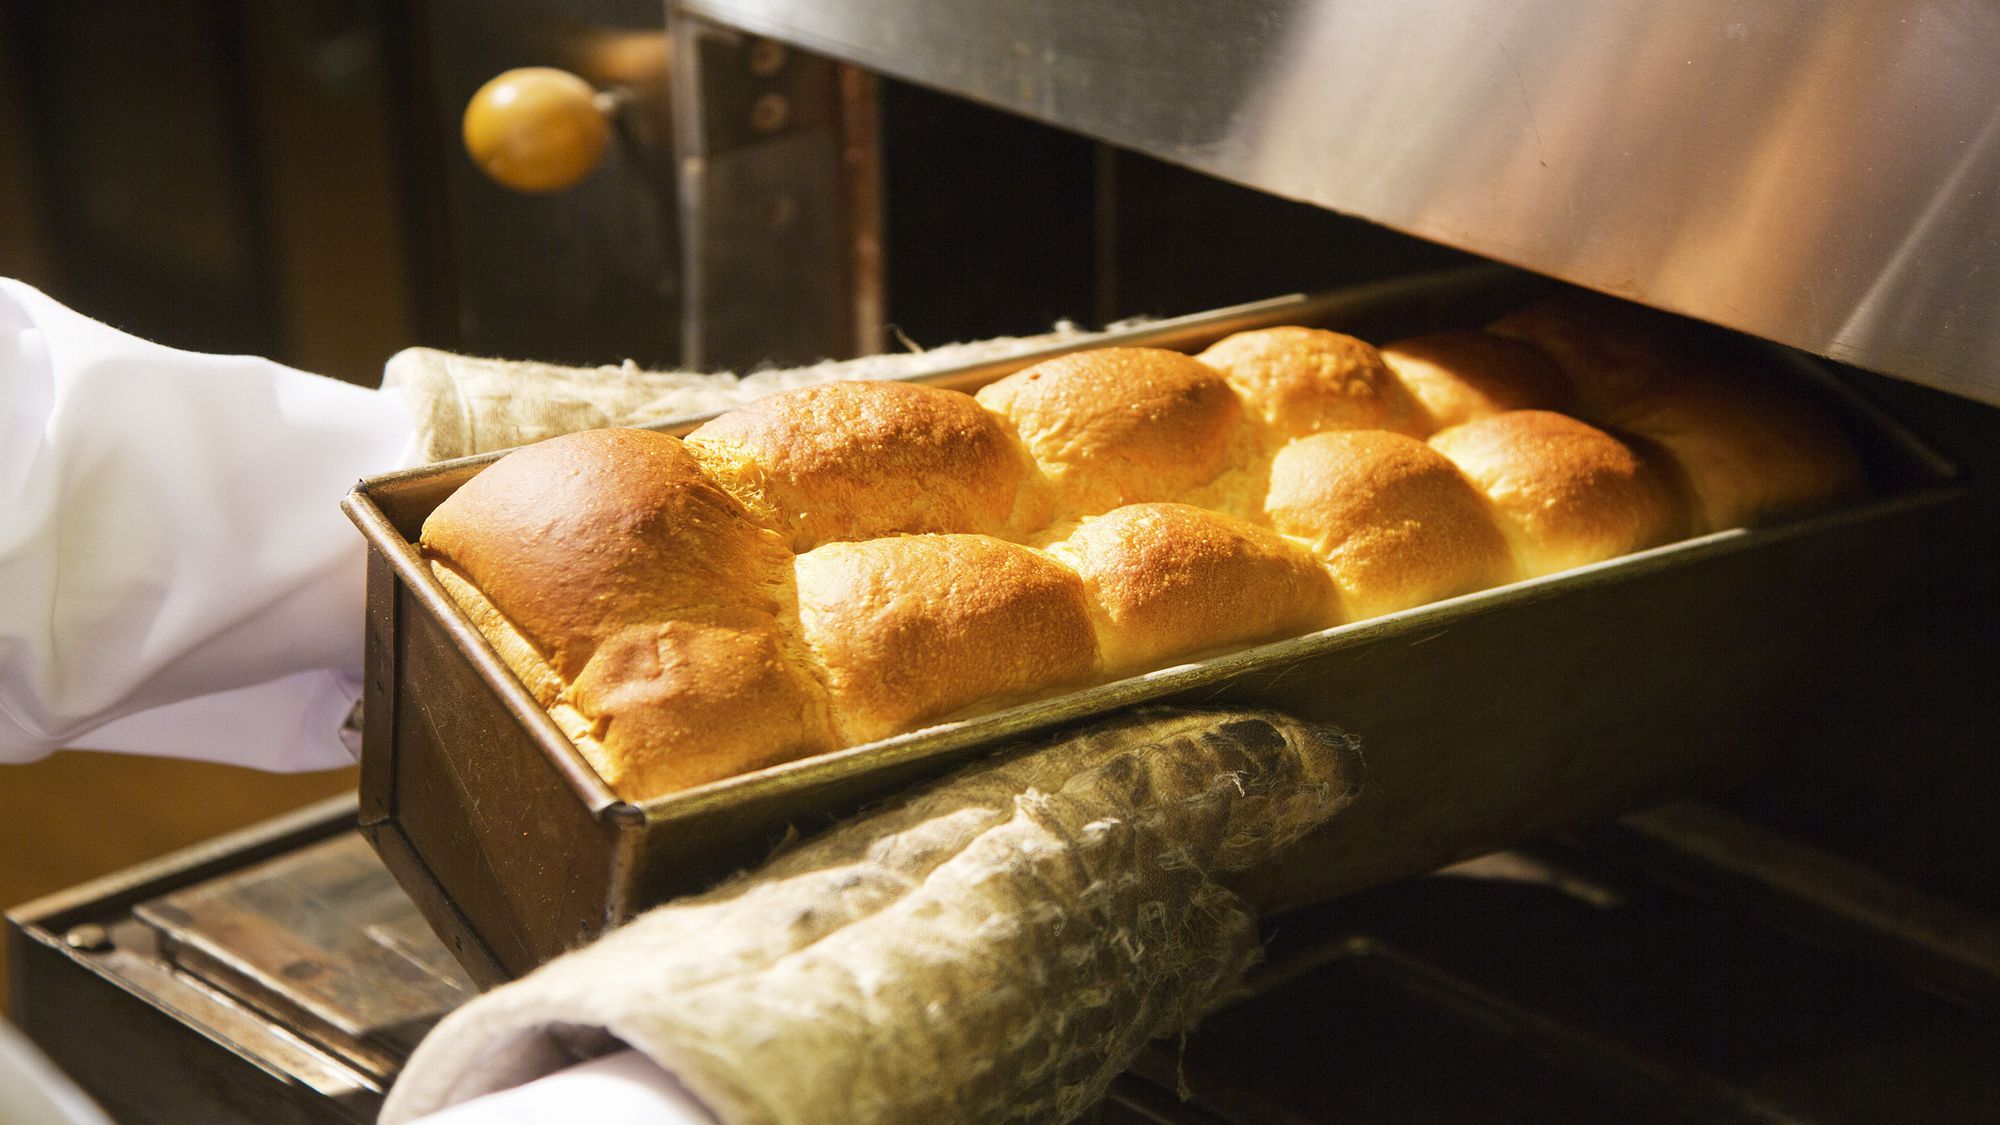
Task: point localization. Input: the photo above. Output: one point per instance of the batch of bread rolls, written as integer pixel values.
(836, 564)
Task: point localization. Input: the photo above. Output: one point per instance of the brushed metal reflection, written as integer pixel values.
(1818, 173)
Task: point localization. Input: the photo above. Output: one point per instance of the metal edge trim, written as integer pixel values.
(1866, 410)
(302, 825)
(407, 865)
(627, 824)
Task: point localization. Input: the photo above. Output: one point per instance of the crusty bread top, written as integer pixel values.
(1567, 492)
(577, 537)
(858, 460)
(1750, 451)
(1167, 580)
(1458, 376)
(676, 703)
(1308, 380)
(1608, 350)
(912, 628)
(1395, 521)
(1748, 448)
(1118, 426)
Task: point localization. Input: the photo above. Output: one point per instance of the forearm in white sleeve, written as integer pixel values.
(176, 577)
(623, 1088)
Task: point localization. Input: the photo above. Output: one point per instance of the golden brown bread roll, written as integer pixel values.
(1567, 492)
(1608, 350)
(677, 703)
(858, 460)
(915, 627)
(1749, 449)
(1750, 452)
(1394, 520)
(650, 595)
(1301, 381)
(1118, 426)
(1167, 580)
(1458, 376)
(579, 536)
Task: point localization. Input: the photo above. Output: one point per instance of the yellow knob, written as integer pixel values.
(536, 129)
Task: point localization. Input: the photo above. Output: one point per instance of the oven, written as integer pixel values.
(788, 180)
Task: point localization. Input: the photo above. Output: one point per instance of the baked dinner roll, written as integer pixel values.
(1566, 492)
(1458, 376)
(677, 703)
(857, 460)
(1121, 425)
(1393, 519)
(1749, 449)
(912, 628)
(1168, 580)
(578, 537)
(1608, 350)
(1301, 381)
(1750, 452)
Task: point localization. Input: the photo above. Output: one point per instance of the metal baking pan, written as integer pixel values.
(1484, 719)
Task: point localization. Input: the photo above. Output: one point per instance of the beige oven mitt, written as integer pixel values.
(463, 405)
(996, 948)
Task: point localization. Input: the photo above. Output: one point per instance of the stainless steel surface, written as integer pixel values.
(158, 1040)
(1953, 949)
(1614, 705)
(1819, 174)
(1565, 982)
(322, 941)
(777, 203)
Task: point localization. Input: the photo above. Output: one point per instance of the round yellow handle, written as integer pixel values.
(536, 129)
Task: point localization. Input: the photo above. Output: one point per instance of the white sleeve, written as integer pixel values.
(175, 573)
(34, 1092)
(625, 1088)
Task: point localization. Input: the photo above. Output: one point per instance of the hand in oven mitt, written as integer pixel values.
(997, 947)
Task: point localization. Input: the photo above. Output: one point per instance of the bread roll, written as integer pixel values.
(1458, 376)
(912, 628)
(857, 460)
(1607, 350)
(1121, 425)
(1167, 580)
(1301, 381)
(677, 703)
(1750, 452)
(1748, 448)
(579, 536)
(844, 563)
(1392, 518)
(1567, 493)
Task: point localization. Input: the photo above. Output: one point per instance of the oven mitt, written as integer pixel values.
(463, 405)
(995, 948)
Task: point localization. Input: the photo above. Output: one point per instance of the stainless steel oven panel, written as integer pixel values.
(1818, 174)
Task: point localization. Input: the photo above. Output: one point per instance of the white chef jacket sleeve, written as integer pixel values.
(624, 1088)
(34, 1092)
(176, 577)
